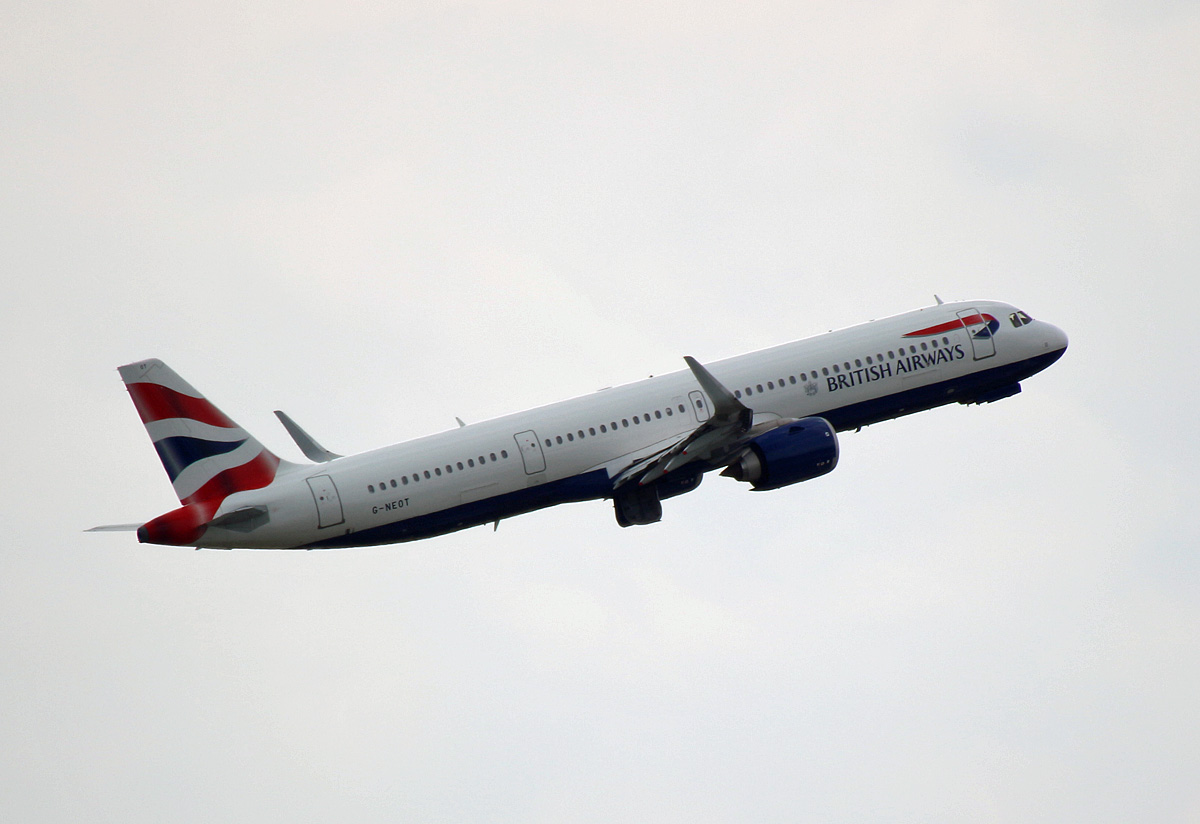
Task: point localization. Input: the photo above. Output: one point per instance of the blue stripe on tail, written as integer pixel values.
(180, 452)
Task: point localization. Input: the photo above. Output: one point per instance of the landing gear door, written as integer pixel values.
(979, 332)
(329, 503)
(531, 452)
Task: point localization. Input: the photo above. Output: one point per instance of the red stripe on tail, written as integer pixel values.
(185, 526)
(157, 403)
(254, 474)
(179, 527)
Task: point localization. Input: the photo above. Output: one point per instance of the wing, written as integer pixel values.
(713, 442)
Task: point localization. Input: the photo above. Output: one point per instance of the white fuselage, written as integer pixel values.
(572, 450)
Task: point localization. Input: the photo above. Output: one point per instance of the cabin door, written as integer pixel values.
(979, 332)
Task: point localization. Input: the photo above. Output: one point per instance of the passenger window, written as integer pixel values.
(857, 363)
(771, 385)
(759, 387)
(934, 343)
(682, 408)
(404, 480)
(492, 455)
(635, 420)
(946, 341)
(891, 354)
(547, 442)
(749, 391)
(603, 428)
(558, 439)
(570, 437)
(825, 370)
(792, 379)
(504, 453)
(581, 435)
(591, 430)
(737, 393)
(658, 414)
(459, 464)
(625, 422)
(924, 346)
(835, 369)
(847, 365)
(393, 483)
(670, 411)
(482, 460)
(869, 361)
(437, 471)
(427, 474)
(449, 469)
(371, 488)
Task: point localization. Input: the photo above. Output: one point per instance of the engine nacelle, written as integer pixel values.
(787, 455)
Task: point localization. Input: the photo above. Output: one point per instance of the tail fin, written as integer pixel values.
(207, 456)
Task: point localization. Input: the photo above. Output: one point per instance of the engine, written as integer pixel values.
(788, 454)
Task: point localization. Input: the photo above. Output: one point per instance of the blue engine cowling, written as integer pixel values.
(787, 455)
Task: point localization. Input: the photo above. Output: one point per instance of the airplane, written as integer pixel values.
(768, 418)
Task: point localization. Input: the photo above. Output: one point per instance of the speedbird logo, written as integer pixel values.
(986, 327)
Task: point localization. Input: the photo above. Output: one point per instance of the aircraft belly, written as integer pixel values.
(588, 486)
(920, 398)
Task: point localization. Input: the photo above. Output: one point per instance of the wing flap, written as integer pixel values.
(712, 441)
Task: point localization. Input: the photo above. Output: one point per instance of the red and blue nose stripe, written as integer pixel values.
(988, 323)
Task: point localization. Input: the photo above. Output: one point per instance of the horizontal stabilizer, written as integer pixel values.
(246, 519)
(114, 528)
(311, 449)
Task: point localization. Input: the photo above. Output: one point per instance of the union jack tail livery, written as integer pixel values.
(206, 455)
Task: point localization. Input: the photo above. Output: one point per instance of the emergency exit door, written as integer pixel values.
(327, 500)
(531, 452)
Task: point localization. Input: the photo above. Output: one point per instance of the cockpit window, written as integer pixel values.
(1019, 318)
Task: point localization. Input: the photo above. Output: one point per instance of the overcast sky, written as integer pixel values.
(378, 216)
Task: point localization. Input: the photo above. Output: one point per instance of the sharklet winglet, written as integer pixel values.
(308, 445)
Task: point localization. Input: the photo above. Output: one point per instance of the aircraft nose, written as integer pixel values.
(1055, 339)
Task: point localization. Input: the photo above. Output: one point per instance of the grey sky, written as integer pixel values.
(379, 216)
